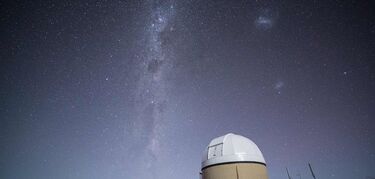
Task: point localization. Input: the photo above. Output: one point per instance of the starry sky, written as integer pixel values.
(137, 89)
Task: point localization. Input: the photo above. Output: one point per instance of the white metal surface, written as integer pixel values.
(231, 148)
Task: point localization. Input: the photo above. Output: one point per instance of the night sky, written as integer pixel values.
(137, 89)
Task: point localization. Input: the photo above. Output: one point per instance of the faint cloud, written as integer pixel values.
(266, 19)
(278, 85)
(263, 23)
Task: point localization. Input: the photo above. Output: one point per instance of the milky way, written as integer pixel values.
(154, 65)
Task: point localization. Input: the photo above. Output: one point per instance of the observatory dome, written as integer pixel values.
(231, 148)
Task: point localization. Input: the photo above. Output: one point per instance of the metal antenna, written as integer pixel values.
(312, 172)
(287, 172)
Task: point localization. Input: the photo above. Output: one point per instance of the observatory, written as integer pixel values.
(233, 157)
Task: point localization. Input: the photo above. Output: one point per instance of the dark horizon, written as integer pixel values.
(137, 89)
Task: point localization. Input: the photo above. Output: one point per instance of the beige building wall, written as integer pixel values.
(235, 171)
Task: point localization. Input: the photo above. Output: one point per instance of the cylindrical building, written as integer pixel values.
(233, 157)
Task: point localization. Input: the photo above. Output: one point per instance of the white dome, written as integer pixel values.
(231, 148)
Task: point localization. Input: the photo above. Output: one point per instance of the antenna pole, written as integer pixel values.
(287, 172)
(311, 170)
